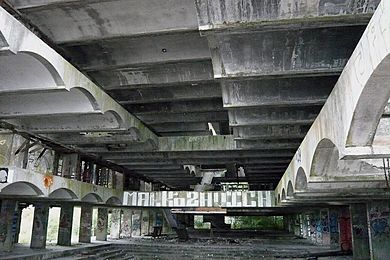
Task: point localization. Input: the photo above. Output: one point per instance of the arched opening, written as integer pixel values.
(63, 194)
(367, 114)
(290, 190)
(22, 189)
(114, 201)
(325, 158)
(92, 198)
(283, 194)
(301, 180)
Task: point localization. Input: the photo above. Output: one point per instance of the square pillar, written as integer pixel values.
(8, 223)
(85, 224)
(115, 223)
(65, 225)
(144, 222)
(345, 229)
(360, 240)
(39, 230)
(324, 214)
(126, 223)
(136, 223)
(379, 229)
(102, 223)
(313, 228)
(334, 232)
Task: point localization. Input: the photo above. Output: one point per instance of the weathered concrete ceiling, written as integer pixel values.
(258, 71)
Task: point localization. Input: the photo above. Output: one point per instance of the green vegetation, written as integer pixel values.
(257, 222)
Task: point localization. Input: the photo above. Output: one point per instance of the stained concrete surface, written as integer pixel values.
(222, 245)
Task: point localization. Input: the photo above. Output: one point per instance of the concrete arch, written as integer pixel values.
(26, 71)
(290, 190)
(22, 188)
(325, 156)
(92, 198)
(64, 194)
(367, 114)
(300, 180)
(283, 195)
(114, 201)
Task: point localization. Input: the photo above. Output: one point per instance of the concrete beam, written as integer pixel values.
(270, 132)
(155, 75)
(195, 117)
(167, 94)
(179, 126)
(223, 15)
(68, 123)
(277, 116)
(221, 161)
(83, 18)
(203, 105)
(277, 92)
(268, 144)
(197, 154)
(197, 143)
(283, 52)
(135, 51)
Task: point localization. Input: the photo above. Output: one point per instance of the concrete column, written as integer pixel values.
(305, 226)
(136, 223)
(18, 222)
(102, 224)
(65, 226)
(115, 224)
(39, 230)
(360, 240)
(126, 223)
(144, 222)
(334, 233)
(8, 220)
(324, 215)
(85, 224)
(345, 229)
(297, 225)
(313, 227)
(379, 229)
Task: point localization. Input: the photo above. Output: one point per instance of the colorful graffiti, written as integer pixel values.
(380, 221)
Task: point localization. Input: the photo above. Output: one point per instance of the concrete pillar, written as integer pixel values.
(86, 224)
(378, 213)
(65, 226)
(345, 229)
(126, 223)
(18, 223)
(39, 230)
(305, 226)
(360, 240)
(313, 227)
(144, 222)
(115, 224)
(334, 234)
(8, 220)
(136, 223)
(297, 225)
(102, 224)
(324, 215)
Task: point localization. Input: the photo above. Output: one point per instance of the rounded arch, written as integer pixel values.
(21, 188)
(325, 158)
(89, 95)
(367, 114)
(92, 198)
(64, 194)
(114, 201)
(135, 132)
(301, 180)
(283, 194)
(290, 189)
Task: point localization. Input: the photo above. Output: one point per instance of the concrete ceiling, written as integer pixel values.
(259, 73)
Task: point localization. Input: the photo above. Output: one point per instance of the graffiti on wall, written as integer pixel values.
(380, 221)
(218, 199)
